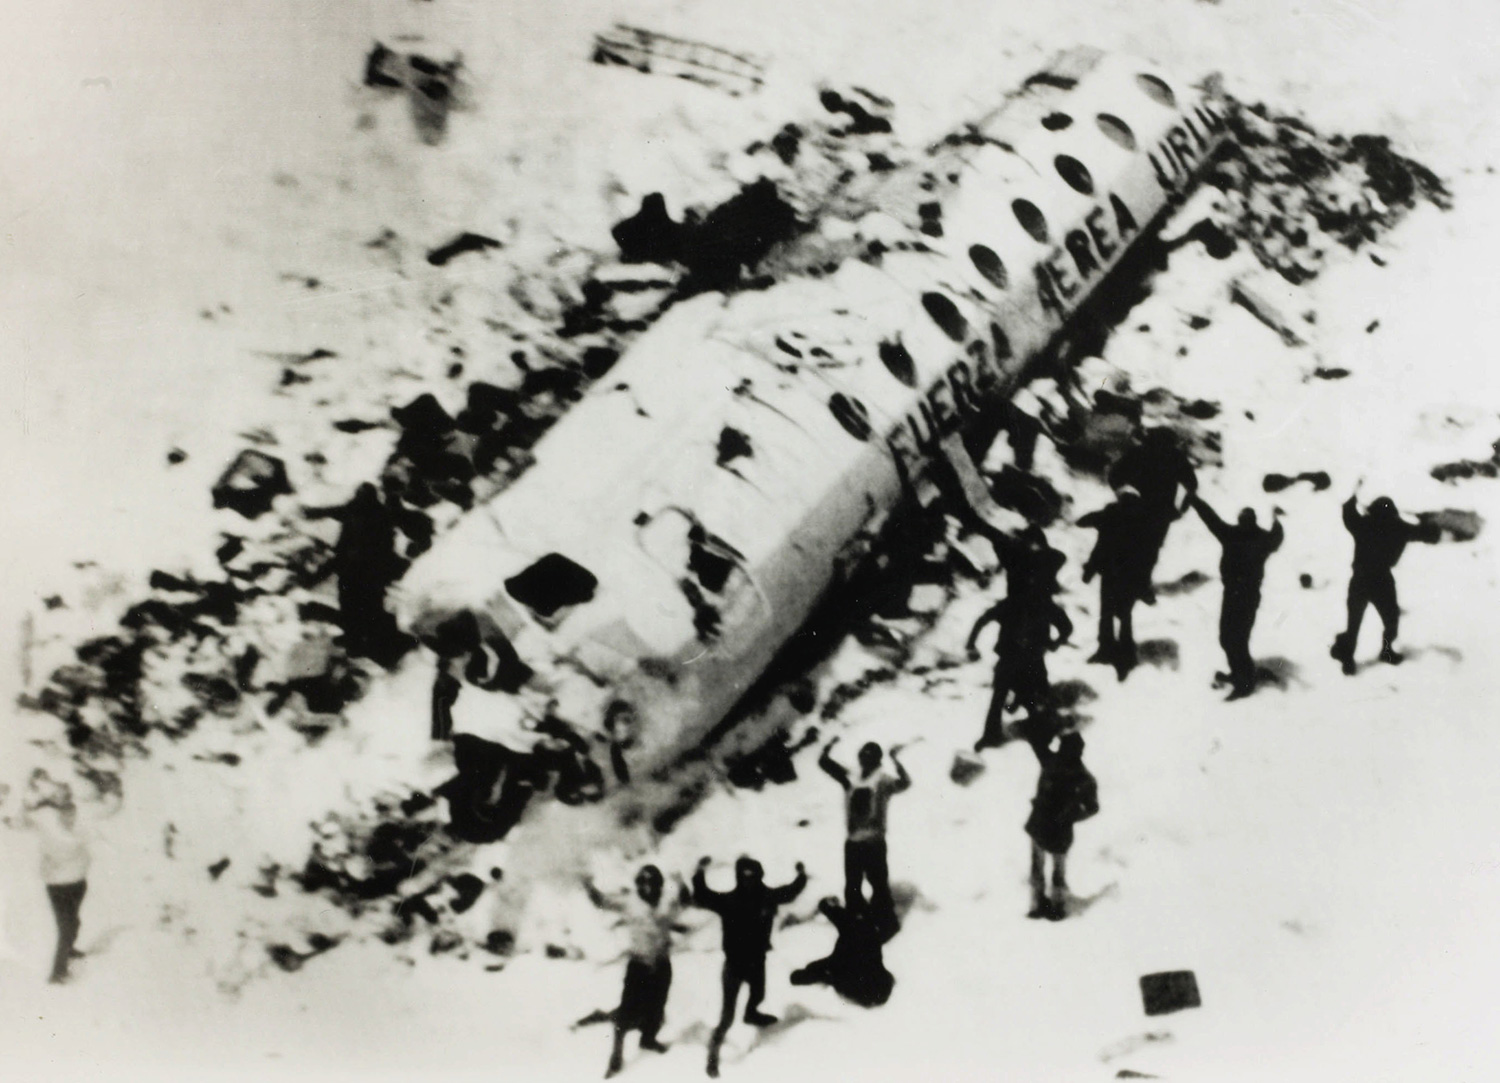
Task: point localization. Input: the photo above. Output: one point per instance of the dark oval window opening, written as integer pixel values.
(1003, 351)
(1031, 218)
(1056, 122)
(851, 414)
(1075, 173)
(946, 315)
(988, 264)
(554, 582)
(899, 361)
(1157, 90)
(1116, 131)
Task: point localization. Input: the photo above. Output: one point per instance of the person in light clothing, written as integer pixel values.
(65, 859)
(866, 798)
(650, 917)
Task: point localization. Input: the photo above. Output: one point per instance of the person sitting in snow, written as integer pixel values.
(866, 798)
(650, 916)
(1065, 794)
(1241, 569)
(1380, 537)
(856, 967)
(746, 914)
(1122, 559)
(1027, 616)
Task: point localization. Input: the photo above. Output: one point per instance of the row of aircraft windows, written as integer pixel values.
(987, 261)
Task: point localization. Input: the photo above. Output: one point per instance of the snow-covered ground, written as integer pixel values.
(1322, 856)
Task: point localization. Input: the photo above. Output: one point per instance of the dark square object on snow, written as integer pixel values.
(1169, 991)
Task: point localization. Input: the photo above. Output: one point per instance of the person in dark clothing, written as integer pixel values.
(366, 561)
(856, 967)
(865, 805)
(1380, 537)
(1157, 467)
(1065, 794)
(746, 914)
(1027, 616)
(650, 919)
(1122, 559)
(1241, 568)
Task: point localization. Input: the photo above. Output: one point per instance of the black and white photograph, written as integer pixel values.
(756, 540)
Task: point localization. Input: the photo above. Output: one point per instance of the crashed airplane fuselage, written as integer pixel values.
(682, 521)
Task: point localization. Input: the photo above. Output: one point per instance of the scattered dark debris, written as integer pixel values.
(785, 143)
(53, 601)
(849, 691)
(285, 957)
(176, 455)
(1169, 991)
(432, 86)
(1201, 409)
(1451, 524)
(291, 960)
(1470, 468)
(1330, 373)
(1293, 193)
(251, 484)
(229, 759)
(1263, 309)
(1370, 328)
(650, 235)
(966, 768)
(463, 243)
(1275, 483)
(466, 891)
(861, 120)
(598, 360)
(216, 870)
(647, 51)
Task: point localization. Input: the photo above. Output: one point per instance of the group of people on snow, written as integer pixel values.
(864, 921)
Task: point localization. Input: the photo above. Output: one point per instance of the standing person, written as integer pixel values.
(65, 859)
(746, 914)
(1157, 467)
(1065, 794)
(366, 562)
(1380, 537)
(650, 917)
(1027, 616)
(1122, 559)
(1242, 567)
(866, 799)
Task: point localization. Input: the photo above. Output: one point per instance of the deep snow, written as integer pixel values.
(1318, 855)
